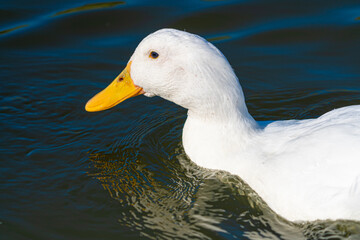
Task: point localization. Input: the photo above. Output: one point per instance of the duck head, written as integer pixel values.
(178, 66)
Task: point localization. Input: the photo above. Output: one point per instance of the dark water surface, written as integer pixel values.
(122, 173)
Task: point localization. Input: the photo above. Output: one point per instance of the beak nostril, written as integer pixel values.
(121, 79)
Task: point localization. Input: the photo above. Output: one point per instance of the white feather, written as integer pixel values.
(303, 169)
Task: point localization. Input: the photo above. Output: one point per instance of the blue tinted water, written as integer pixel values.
(122, 173)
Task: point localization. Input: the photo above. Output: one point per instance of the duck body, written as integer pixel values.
(303, 169)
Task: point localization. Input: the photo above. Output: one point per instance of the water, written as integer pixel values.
(122, 173)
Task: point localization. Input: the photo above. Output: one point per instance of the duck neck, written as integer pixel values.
(226, 115)
(225, 108)
(215, 134)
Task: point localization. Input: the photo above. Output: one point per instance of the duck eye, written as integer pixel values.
(154, 55)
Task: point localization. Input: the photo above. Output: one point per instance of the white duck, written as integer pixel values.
(303, 169)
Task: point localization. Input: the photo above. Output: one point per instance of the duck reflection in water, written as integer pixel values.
(178, 198)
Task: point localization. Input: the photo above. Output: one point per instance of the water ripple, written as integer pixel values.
(123, 173)
(90, 6)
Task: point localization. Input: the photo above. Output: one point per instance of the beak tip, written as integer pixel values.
(88, 107)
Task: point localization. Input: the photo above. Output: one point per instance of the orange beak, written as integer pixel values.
(119, 90)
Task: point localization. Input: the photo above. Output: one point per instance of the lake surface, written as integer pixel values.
(123, 173)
